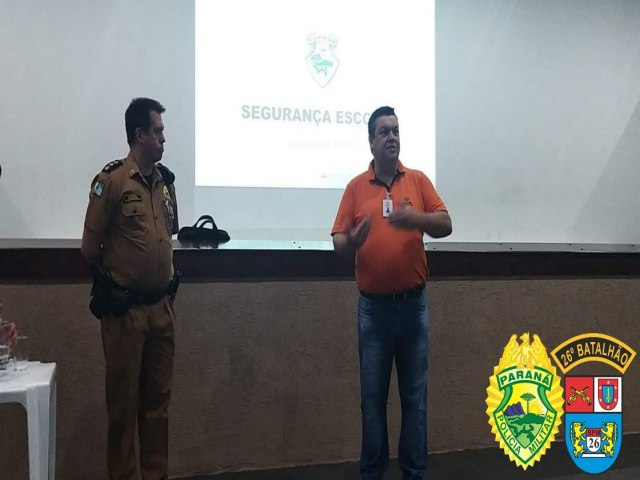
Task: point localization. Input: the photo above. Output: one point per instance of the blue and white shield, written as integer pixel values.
(593, 439)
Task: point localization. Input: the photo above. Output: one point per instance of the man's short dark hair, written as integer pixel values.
(379, 112)
(138, 115)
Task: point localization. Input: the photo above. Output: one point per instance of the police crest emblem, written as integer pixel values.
(524, 400)
(593, 405)
(322, 61)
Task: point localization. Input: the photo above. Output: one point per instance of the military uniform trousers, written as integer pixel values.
(139, 351)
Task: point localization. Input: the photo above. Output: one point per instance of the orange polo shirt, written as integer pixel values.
(391, 259)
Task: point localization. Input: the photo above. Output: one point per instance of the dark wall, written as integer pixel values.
(266, 373)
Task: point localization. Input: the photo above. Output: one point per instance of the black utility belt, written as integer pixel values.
(395, 297)
(108, 298)
(143, 298)
(135, 297)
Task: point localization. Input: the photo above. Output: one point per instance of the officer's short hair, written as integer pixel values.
(379, 112)
(138, 115)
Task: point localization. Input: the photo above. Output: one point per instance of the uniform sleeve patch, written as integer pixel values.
(97, 189)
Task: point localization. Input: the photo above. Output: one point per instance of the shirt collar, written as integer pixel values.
(132, 169)
(372, 174)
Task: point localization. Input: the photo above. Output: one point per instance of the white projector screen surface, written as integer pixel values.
(537, 111)
(284, 91)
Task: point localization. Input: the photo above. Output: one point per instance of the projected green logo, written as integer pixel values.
(322, 60)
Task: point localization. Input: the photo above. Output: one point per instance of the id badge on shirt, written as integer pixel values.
(387, 206)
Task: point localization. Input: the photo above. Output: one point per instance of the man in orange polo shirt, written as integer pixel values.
(382, 217)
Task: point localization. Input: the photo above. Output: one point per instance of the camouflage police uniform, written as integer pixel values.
(135, 221)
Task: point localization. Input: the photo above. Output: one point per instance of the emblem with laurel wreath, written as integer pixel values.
(524, 400)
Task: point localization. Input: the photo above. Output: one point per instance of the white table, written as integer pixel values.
(35, 389)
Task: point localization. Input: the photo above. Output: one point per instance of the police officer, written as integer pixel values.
(131, 216)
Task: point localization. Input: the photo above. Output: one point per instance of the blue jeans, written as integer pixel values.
(390, 329)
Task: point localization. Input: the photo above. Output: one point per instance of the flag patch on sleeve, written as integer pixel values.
(97, 189)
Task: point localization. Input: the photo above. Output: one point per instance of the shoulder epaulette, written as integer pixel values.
(111, 166)
(167, 174)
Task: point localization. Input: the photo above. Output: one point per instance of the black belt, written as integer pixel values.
(151, 298)
(395, 297)
(146, 298)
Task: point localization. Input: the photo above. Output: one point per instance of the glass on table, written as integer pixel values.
(21, 353)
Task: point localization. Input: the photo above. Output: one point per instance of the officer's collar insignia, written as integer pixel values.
(97, 189)
(132, 172)
(524, 401)
(131, 197)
